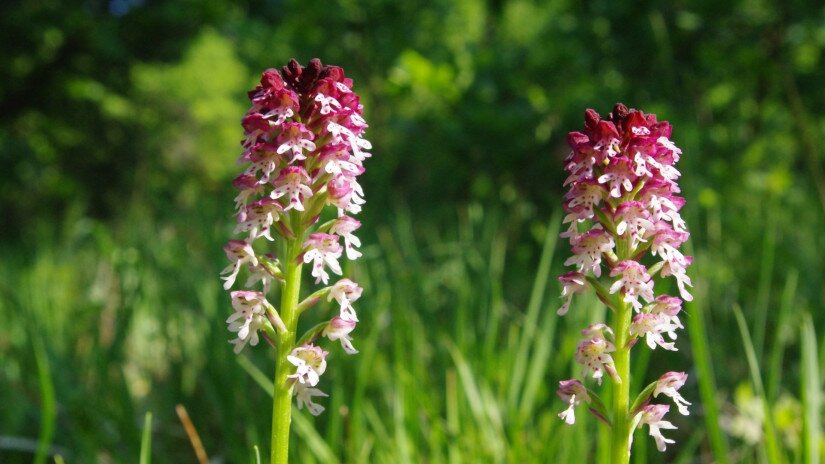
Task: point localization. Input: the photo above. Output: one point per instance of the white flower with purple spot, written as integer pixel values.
(587, 250)
(295, 138)
(304, 395)
(668, 307)
(341, 134)
(264, 158)
(323, 250)
(594, 355)
(249, 317)
(634, 283)
(328, 103)
(345, 194)
(345, 292)
(618, 174)
(249, 187)
(668, 385)
(310, 363)
(339, 329)
(666, 244)
(572, 282)
(582, 198)
(292, 183)
(239, 253)
(651, 415)
(337, 161)
(258, 218)
(652, 326)
(345, 226)
(573, 393)
(632, 217)
(679, 271)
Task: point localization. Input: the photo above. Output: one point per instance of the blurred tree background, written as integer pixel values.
(119, 132)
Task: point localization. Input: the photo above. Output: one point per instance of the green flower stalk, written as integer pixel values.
(623, 209)
(303, 151)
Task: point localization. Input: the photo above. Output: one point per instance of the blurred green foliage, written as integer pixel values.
(118, 138)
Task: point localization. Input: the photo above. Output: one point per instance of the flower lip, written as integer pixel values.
(573, 393)
(310, 363)
(588, 249)
(339, 329)
(653, 415)
(594, 355)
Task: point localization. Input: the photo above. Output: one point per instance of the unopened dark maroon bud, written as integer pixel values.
(272, 79)
(309, 75)
(619, 112)
(333, 72)
(315, 66)
(294, 67)
(591, 119)
(292, 73)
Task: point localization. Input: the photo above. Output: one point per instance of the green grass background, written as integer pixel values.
(119, 137)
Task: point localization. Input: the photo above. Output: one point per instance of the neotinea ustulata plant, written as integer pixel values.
(623, 211)
(303, 152)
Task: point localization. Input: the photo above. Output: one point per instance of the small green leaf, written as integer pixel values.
(602, 292)
(312, 300)
(272, 266)
(642, 398)
(311, 334)
(598, 409)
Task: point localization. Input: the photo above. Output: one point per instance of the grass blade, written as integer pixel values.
(256, 374)
(313, 441)
(146, 440)
(482, 407)
(541, 355)
(697, 331)
(811, 394)
(47, 396)
(763, 292)
(533, 306)
(192, 433)
(781, 335)
(771, 442)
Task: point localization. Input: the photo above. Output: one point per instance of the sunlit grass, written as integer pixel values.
(461, 352)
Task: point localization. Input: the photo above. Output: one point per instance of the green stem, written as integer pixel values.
(620, 442)
(282, 404)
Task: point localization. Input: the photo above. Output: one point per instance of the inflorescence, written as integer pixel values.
(622, 209)
(303, 151)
